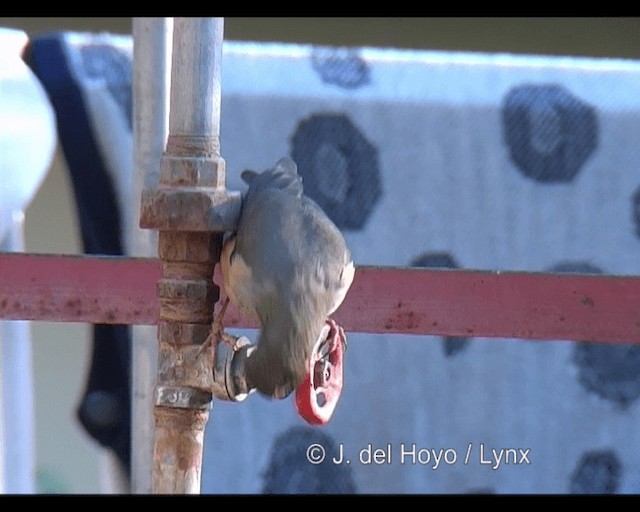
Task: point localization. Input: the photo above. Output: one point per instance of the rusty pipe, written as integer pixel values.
(191, 209)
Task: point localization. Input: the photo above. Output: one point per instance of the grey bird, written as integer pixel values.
(287, 267)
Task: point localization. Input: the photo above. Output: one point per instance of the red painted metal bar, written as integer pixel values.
(381, 300)
(63, 288)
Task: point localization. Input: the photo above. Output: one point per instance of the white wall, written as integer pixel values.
(67, 459)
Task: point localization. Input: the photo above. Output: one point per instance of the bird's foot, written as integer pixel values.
(334, 336)
(218, 333)
(206, 344)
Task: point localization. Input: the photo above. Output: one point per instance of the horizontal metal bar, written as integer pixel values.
(445, 302)
(68, 288)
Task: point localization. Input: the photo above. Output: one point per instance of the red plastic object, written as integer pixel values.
(318, 395)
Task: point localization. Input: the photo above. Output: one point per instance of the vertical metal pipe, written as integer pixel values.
(16, 401)
(192, 177)
(151, 78)
(196, 73)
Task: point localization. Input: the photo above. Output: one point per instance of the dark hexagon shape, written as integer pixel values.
(610, 371)
(635, 205)
(290, 470)
(340, 66)
(339, 168)
(481, 490)
(597, 472)
(115, 68)
(451, 345)
(549, 132)
(575, 267)
(434, 260)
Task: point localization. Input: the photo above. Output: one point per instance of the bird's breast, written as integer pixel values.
(346, 278)
(238, 281)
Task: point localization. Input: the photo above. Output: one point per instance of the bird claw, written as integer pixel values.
(218, 333)
(206, 344)
(334, 335)
(234, 341)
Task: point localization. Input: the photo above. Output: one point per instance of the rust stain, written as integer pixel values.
(74, 306)
(402, 320)
(72, 303)
(587, 301)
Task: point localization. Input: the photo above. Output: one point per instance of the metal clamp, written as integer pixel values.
(229, 377)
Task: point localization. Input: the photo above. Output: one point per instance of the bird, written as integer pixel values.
(287, 267)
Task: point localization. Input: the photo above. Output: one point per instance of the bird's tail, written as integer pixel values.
(283, 175)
